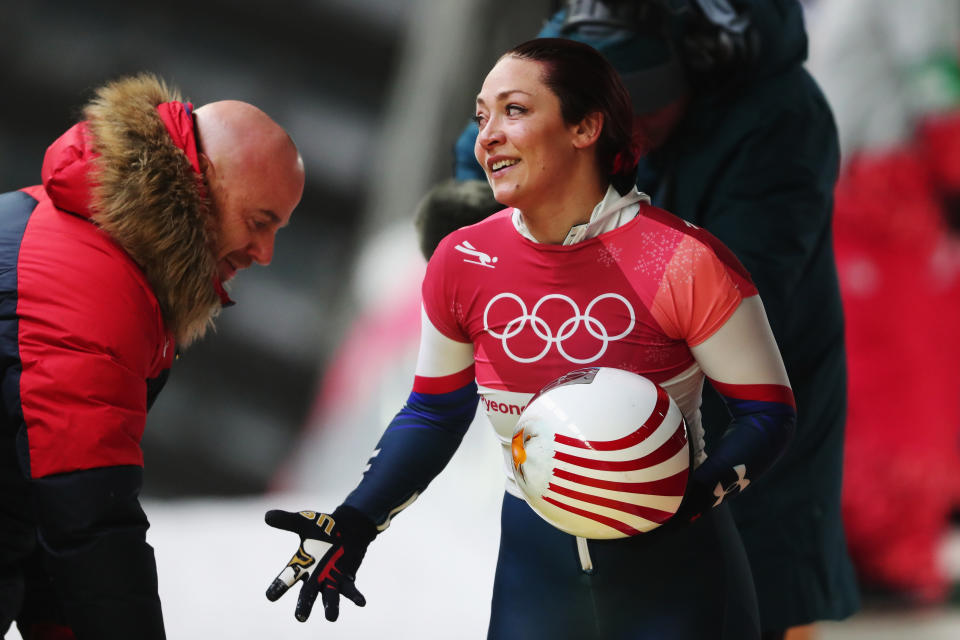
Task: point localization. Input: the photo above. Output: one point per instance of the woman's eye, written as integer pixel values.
(515, 110)
(479, 119)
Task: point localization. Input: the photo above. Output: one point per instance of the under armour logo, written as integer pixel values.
(734, 486)
(482, 259)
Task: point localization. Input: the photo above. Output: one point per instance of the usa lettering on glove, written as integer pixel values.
(332, 546)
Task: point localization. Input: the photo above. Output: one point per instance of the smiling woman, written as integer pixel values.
(554, 132)
(579, 269)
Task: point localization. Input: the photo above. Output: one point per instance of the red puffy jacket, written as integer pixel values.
(104, 270)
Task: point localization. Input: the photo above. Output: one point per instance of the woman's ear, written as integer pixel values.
(587, 131)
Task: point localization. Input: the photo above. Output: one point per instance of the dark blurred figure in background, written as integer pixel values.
(448, 206)
(737, 138)
(109, 267)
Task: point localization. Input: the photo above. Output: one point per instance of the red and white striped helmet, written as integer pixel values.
(602, 453)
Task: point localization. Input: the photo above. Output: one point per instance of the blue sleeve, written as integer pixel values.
(757, 436)
(416, 446)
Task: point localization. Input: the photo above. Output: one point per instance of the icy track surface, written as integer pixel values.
(428, 576)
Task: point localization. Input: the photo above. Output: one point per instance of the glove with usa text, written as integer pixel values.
(331, 549)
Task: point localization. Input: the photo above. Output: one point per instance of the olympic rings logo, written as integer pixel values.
(569, 327)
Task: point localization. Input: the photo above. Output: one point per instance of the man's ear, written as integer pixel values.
(587, 131)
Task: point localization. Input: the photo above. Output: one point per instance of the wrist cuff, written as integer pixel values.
(353, 522)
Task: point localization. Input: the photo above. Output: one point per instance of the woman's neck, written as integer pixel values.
(550, 222)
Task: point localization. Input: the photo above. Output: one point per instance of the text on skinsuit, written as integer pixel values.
(492, 406)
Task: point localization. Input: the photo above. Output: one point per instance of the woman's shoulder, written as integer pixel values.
(495, 228)
(688, 238)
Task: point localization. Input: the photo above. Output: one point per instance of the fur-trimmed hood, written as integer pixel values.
(122, 169)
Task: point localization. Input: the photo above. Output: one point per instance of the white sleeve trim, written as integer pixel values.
(439, 355)
(743, 350)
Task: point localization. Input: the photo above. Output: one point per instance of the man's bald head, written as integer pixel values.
(256, 179)
(238, 137)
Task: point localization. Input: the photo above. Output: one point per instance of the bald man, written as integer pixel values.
(147, 208)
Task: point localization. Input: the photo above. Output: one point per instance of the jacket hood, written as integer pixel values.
(780, 29)
(649, 60)
(66, 166)
(135, 174)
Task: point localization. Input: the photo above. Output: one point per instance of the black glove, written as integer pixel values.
(700, 497)
(697, 499)
(331, 549)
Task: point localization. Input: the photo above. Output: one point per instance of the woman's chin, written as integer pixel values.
(508, 197)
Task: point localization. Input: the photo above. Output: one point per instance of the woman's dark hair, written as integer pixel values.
(585, 82)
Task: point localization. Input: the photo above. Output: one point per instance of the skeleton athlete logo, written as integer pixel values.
(480, 258)
(567, 329)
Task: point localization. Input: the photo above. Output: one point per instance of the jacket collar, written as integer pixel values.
(158, 211)
(613, 211)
